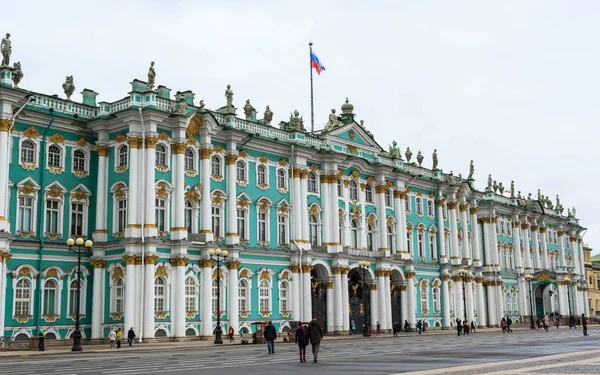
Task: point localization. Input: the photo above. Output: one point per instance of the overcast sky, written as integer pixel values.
(510, 84)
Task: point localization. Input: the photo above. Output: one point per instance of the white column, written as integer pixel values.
(231, 234)
(340, 308)
(374, 306)
(206, 203)
(334, 211)
(579, 247)
(501, 302)
(363, 218)
(307, 290)
(481, 312)
(575, 254)
(455, 257)
(150, 229)
(476, 238)
(388, 301)
(131, 298)
(399, 215)
(517, 247)
(138, 308)
(410, 294)
(298, 207)
(233, 311)
(325, 215)
(100, 234)
(5, 125)
(330, 328)
(544, 239)
(403, 305)
(347, 241)
(440, 231)
(382, 315)
(345, 314)
(180, 313)
(488, 261)
(98, 286)
(180, 231)
(304, 206)
(536, 247)
(149, 296)
(469, 297)
(523, 293)
(562, 260)
(382, 213)
(3, 259)
(206, 295)
(526, 247)
(464, 226)
(134, 178)
(445, 301)
(491, 306)
(494, 244)
(458, 298)
(296, 282)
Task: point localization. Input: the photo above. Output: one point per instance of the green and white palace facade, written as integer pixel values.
(156, 180)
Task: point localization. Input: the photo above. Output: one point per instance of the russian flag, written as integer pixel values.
(315, 63)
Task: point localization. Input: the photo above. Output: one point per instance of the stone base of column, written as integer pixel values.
(135, 232)
(232, 239)
(491, 326)
(100, 235)
(181, 339)
(455, 261)
(334, 248)
(148, 341)
(340, 333)
(150, 231)
(211, 338)
(178, 233)
(480, 326)
(206, 236)
(4, 225)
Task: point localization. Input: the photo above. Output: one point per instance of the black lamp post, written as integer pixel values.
(87, 247)
(364, 265)
(529, 278)
(463, 275)
(568, 280)
(220, 257)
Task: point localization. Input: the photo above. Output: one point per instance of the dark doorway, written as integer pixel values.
(319, 296)
(359, 308)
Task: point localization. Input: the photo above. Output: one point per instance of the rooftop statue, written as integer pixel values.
(512, 189)
(333, 121)
(6, 50)
(229, 97)
(471, 170)
(540, 197)
(296, 122)
(451, 178)
(574, 212)
(435, 160)
(501, 188)
(549, 203)
(69, 87)
(519, 195)
(420, 158)
(489, 183)
(181, 107)
(408, 154)
(248, 109)
(394, 151)
(151, 77)
(569, 212)
(268, 116)
(201, 105)
(17, 73)
(495, 186)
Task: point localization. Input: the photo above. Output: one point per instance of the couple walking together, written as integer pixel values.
(312, 333)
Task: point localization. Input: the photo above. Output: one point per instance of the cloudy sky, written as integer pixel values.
(510, 84)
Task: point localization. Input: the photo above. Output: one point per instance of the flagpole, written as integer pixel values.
(312, 104)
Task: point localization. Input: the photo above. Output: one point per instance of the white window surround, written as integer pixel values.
(407, 204)
(435, 292)
(246, 283)
(419, 206)
(50, 194)
(76, 196)
(86, 164)
(284, 296)
(72, 275)
(264, 206)
(36, 154)
(424, 297)
(63, 151)
(389, 202)
(190, 159)
(163, 191)
(164, 284)
(116, 285)
(312, 182)
(282, 220)
(113, 285)
(57, 296)
(121, 164)
(214, 168)
(119, 191)
(266, 169)
(264, 296)
(17, 283)
(23, 187)
(431, 208)
(192, 290)
(241, 171)
(369, 196)
(281, 176)
(218, 199)
(167, 164)
(222, 290)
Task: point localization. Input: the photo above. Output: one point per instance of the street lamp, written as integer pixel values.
(87, 247)
(568, 280)
(529, 278)
(364, 265)
(220, 257)
(463, 273)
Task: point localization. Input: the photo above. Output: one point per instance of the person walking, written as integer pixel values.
(130, 336)
(41, 346)
(508, 324)
(584, 324)
(556, 323)
(473, 327)
(300, 338)
(315, 334)
(378, 329)
(571, 322)
(420, 326)
(458, 326)
(270, 334)
(406, 326)
(112, 336)
(395, 329)
(546, 323)
(231, 332)
(119, 336)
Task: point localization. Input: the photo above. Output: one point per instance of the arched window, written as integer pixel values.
(261, 175)
(28, 152)
(119, 296)
(313, 225)
(79, 161)
(54, 156)
(421, 243)
(508, 230)
(369, 193)
(424, 298)
(23, 298)
(390, 237)
(243, 296)
(432, 246)
(388, 198)
(191, 293)
(161, 155)
(354, 234)
(503, 227)
(284, 292)
(311, 179)
(430, 207)
(188, 155)
(123, 155)
(241, 171)
(161, 214)
(281, 179)
(189, 214)
(264, 296)
(160, 291)
(215, 166)
(436, 299)
(409, 238)
(353, 190)
(419, 205)
(50, 297)
(370, 230)
(73, 297)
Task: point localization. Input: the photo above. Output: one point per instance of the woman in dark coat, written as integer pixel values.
(301, 340)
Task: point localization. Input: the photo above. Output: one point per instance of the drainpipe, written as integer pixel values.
(141, 331)
(40, 222)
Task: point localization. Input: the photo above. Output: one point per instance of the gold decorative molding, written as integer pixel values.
(57, 138)
(150, 259)
(134, 142)
(206, 263)
(296, 268)
(151, 142)
(116, 273)
(178, 148)
(163, 136)
(98, 263)
(307, 268)
(5, 124)
(31, 132)
(263, 159)
(120, 138)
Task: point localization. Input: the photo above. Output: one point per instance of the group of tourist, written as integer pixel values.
(116, 336)
(305, 333)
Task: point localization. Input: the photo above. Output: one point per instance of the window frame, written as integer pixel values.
(264, 296)
(312, 185)
(55, 156)
(161, 155)
(369, 194)
(26, 308)
(284, 296)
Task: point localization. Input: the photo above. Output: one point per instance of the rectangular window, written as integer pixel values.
(432, 250)
(25, 223)
(407, 203)
(216, 221)
(262, 227)
(161, 215)
(242, 299)
(77, 212)
(420, 240)
(241, 224)
(52, 212)
(282, 226)
(121, 215)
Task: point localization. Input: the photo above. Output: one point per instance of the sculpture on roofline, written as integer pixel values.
(201, 105)
(519, 196)
(408, 155)
(549, 203)
(248, 110)
(268, 116)
(151, 76)
(17, 73)
(435, 160)
(569, 212)
(512, 189)
(495, 186)
(540, 197)
(471, 171)
(501, 188)
(574, 212)
(181, 107)
(69, 87)
(394, 151)
(229, 97)
(489, 183)
(333, 121)
(420, 158)
(6, 50)
(296, 121)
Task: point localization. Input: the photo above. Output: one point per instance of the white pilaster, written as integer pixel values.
(298, 206)
(445, 301)
(388, 301)
(97, 298)
(523, 293)
(340, 308)
(347, 241)
(403, 305)
(440, 232)
(517, 247)
(535, 243)
(132, 229)
(5, 125)
(307, 290)
(374, 306)
(382, 315)
(150, 229)
(562, 260)
(526, 247)
(3, 283)
(491, 306)
(575, 255)
(206, 301)
(100, 234)
(303, 208)
(180, 231)
(325, 215)
(481, 311)
(231, 235)
(455, 257)
(296, 295)
(206, 203)
(345, 314)
(382, 213)
(544, 239)
(180, 314)
(459, 311)
(469, 298)
(233, 311)
(330, 328)
(399, 216)
(149, 296)
(131, 298)
(334, 212)
(476, 238)
(410, 294)
(464, 227)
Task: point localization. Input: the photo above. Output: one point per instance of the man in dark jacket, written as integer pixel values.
(130, 336)
(315, 334)
(270, 334)
(584, 324)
